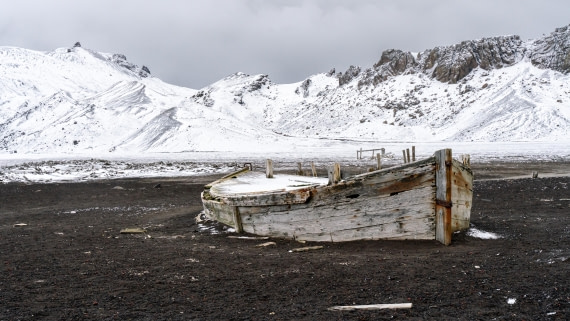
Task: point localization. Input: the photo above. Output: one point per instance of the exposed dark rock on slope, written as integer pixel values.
(450, 64)
(553, 51)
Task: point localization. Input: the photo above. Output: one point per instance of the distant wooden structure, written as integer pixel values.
(359, 153)
(426, 199)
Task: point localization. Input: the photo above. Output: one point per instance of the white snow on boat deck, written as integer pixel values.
(256, 182)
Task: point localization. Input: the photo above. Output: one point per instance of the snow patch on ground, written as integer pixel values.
(473, 232)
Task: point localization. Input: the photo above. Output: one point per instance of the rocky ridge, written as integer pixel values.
(451, 64)
(76, 100)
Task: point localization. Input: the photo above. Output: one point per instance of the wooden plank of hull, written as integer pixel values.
(304, 213)
(418, 228)
(399, 216)
(462, 196)
(384, 182)
(219, 211)
(267, 199)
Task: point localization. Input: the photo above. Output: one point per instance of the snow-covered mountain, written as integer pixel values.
(75, 100)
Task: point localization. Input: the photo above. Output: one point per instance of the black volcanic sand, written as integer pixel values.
(70, 262)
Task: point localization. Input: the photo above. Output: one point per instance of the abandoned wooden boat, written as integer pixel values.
(426, 199)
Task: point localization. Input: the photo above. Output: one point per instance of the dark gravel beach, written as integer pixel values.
(63, 257)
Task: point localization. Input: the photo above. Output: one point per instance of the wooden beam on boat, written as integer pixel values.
(334, 174)
(443, 173)
(237, 220)
(404, 154)
(231, 175)
(413, 153)
(378, 161)
(269, 199)
(268, 168)
(300, 169)
(313, 169)
(408, 154)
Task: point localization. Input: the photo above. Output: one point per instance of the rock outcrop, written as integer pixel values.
(553, 51)
(121, 60)
(450, 64)
(453, 63)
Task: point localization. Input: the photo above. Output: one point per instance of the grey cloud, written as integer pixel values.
(194, 43)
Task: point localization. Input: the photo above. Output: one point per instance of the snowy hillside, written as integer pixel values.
(78, 101)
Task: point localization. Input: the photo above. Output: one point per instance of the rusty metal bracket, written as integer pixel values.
(443, 203)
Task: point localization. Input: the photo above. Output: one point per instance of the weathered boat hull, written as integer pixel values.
(428, 199)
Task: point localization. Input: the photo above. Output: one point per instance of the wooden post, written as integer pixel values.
(378, 161)
(334, 174)
(300, 169)
(237, 220)
(360, 153)
(337, 174)
(313, 169)
(443, 173)
(408, 154)
(383, 151)
(413, 153)
(466, 160)
(268, 168)
(404, 153)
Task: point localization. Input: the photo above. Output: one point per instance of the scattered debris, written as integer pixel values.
(307, 248)
(136, 230)
(118, 187)
(512, 301)
(249, 237)
(158, 186)
(20, 224)
(266, 244)
(371, 307)
(171, 237)
(201, 218)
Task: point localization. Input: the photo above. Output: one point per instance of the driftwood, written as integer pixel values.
(266, 244)
(135, 230)
(371, 307)
(307, 248)
(249, 237)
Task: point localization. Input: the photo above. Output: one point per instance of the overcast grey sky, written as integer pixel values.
(193, 43)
